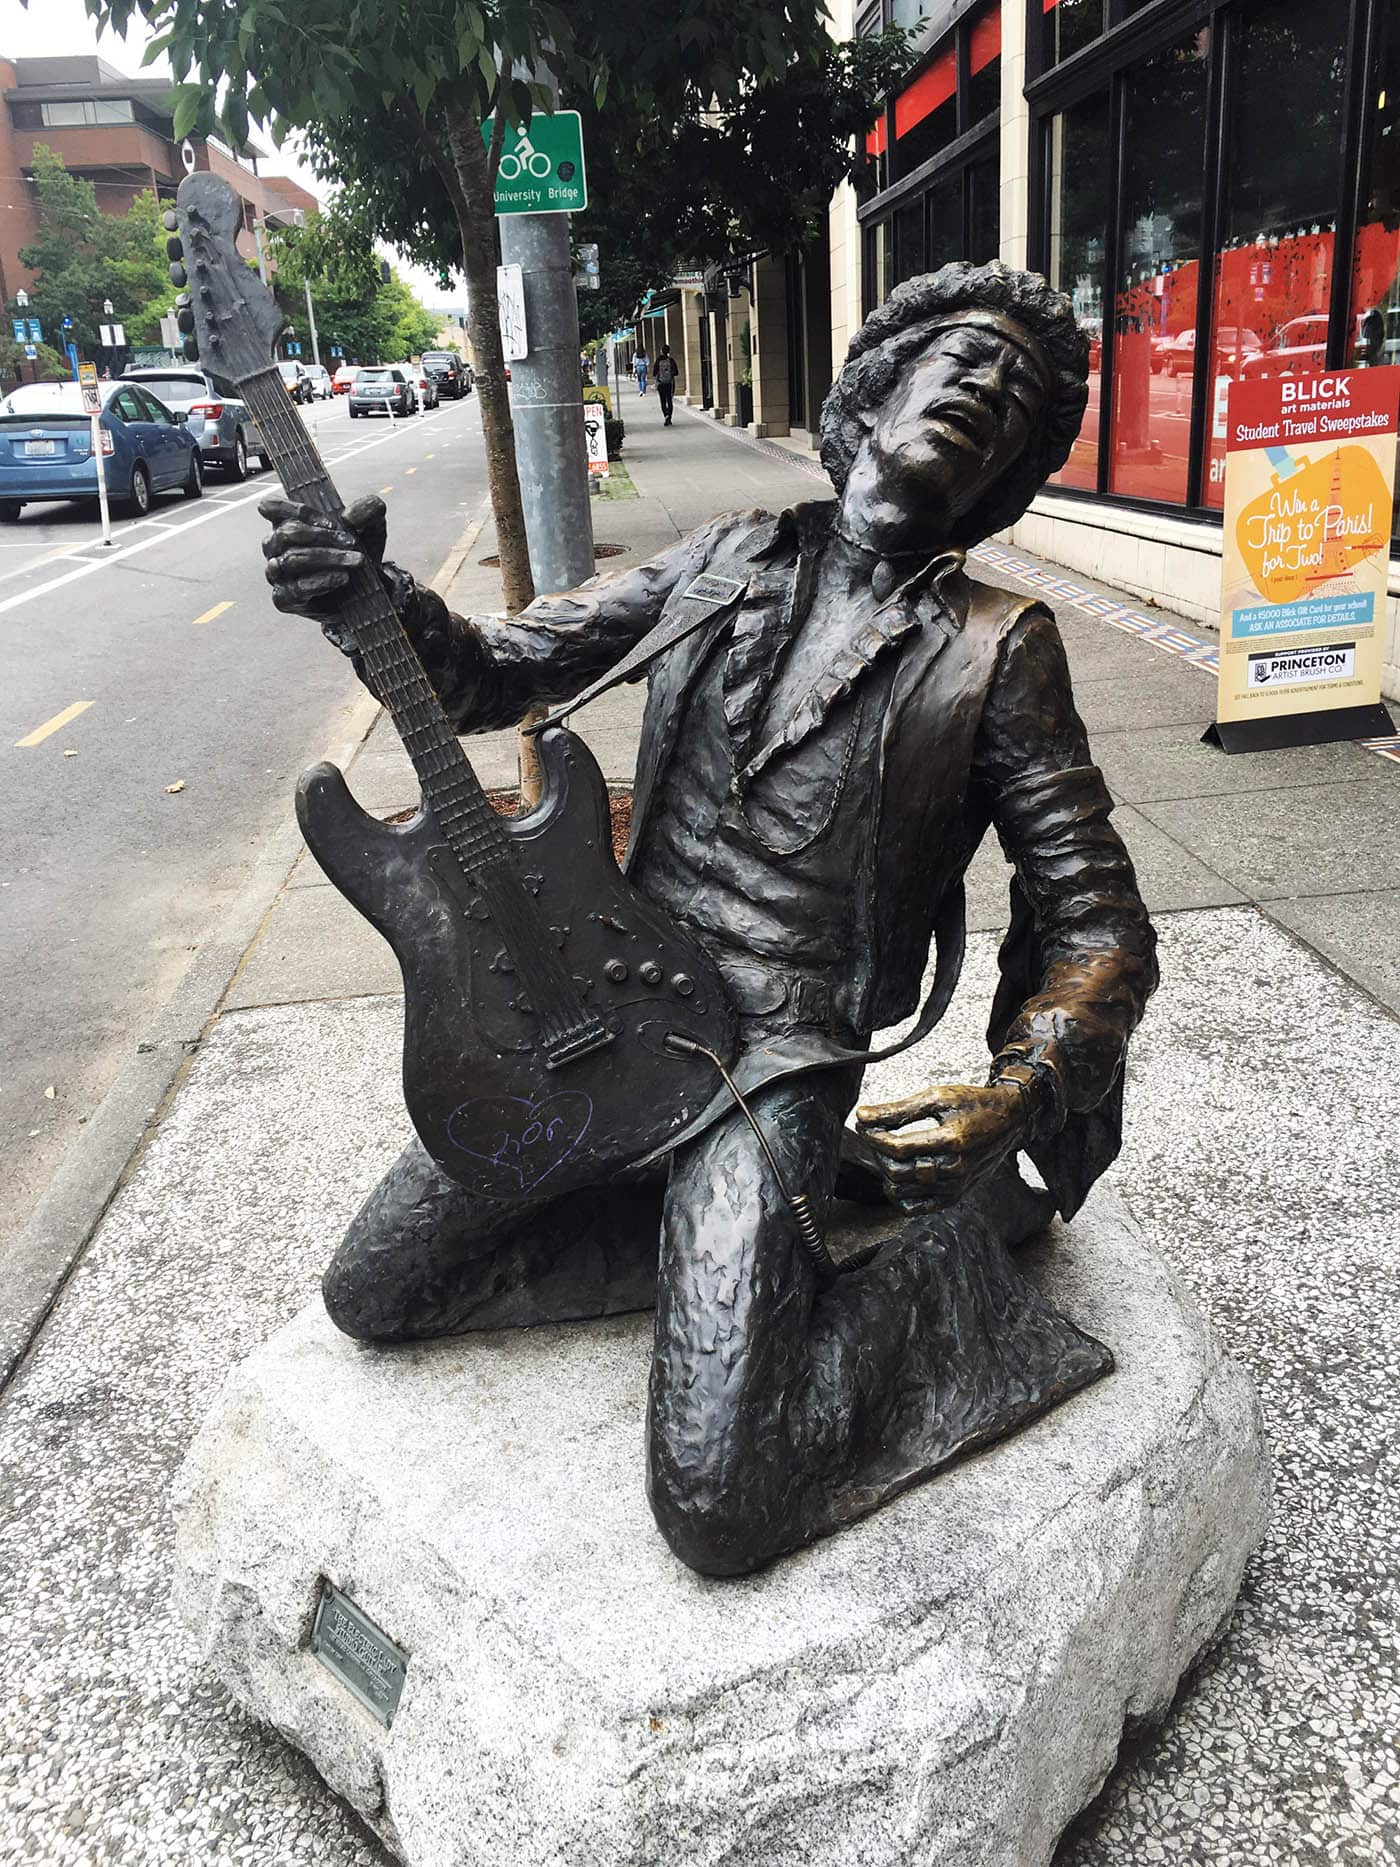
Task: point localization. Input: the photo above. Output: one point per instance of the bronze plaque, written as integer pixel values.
(361, 1655)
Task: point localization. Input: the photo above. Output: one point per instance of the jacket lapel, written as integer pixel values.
(918, 604)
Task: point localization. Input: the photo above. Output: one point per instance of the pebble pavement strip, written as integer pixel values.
(1260, 1159)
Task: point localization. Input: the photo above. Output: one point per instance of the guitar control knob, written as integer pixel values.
(683, 983)
(649, 972)
(616, 970)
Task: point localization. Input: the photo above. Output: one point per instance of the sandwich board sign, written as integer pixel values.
(1309, 493)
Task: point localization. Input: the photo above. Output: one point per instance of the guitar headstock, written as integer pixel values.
(229, 318)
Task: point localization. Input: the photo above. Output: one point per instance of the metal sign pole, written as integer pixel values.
(101, 479)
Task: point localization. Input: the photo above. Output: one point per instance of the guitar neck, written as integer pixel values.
(450, 786)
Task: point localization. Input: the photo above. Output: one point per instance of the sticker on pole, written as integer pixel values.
(541, 168)
(92, 395)
(510, 308)
(596, 433)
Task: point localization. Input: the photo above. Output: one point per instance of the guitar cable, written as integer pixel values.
(808, 1231)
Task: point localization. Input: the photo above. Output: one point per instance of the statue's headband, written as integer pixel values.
(1007, 329)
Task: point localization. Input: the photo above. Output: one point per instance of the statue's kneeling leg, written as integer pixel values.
(425, 1257)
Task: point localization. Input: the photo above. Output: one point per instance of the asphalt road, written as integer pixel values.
(155, 662)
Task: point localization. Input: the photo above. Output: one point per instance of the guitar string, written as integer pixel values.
(405, 688)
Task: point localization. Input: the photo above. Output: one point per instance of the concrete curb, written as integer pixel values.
(103, 1157)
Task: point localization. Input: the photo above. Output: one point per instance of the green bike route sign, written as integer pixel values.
(541, 168)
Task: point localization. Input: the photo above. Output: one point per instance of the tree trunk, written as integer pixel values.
(467, 176)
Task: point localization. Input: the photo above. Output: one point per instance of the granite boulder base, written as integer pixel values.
(947, 1682)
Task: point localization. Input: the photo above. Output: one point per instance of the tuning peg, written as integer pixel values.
(191, 349)
(182, 301)
(185, 319)
(170, 220)
(175, 247)
(178, 276)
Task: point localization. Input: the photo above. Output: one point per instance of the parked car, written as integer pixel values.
(344, 376)
(46, 447)
(298, 383)
(320, 379)
(212, 409)
(1176, 355)
(427, 386)
(385, 389)
(1299, 348)
(453, 377)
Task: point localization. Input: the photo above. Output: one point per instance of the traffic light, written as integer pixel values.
(444, 279)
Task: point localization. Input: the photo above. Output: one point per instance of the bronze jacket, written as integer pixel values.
(980, 731)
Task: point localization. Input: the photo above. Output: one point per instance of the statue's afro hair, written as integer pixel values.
(899, 329)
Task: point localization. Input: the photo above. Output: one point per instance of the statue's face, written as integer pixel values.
(961, 413)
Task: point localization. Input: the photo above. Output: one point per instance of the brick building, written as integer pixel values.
(115, 132)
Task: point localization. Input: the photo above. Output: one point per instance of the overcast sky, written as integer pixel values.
(55, 28)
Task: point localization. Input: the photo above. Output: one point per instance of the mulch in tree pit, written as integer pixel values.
(507, 803)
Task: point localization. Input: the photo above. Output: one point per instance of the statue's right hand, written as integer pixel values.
(311, 556)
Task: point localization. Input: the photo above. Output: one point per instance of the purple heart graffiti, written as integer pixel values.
(518, 1141)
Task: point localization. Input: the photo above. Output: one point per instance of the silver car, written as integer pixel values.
(212, 411)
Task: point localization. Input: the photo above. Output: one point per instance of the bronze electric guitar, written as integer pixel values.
(551, 1011)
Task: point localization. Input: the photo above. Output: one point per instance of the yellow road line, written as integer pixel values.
(386, 489)
(413, 469)
(210, 614)
(40, 733)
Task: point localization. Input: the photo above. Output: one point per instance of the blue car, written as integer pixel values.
(46, 447)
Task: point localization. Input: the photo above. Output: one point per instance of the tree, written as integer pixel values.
(81, 257)
(664, 195)
(448, 67)
(373, 320)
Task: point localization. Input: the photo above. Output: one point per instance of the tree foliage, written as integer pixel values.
(82, 257)
(373, 320)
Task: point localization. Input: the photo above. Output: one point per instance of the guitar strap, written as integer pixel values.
(705, 597)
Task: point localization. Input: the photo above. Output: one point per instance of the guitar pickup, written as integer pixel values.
(578, 1044)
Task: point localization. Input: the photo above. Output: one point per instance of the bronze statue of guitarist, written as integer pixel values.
(818, 764)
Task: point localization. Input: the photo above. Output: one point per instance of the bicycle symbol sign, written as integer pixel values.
(541, 169)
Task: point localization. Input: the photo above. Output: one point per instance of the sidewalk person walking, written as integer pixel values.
(665, 373)
(639, 363)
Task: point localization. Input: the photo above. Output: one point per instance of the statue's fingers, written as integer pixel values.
(300, 593)
(364, 512)
(314, 532)
(276, 507)
(312, 562)
(908, 1147)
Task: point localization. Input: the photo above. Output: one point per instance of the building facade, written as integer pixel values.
(114, 132)
(1214, 183)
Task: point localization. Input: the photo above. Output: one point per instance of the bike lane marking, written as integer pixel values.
(209, 511)
(40, 733)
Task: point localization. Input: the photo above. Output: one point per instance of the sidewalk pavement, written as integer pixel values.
(1259, 1160)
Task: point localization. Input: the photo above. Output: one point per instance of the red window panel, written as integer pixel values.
(985, 42)
(926, 93)
(875, 139)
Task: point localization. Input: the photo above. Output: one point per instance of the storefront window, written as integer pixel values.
(1375, 274)
(1273, 276)
(1159, 271)
(984, 64)
(984, 210)
(945, 224)
(1079, 175)
(909, 241)
(926, 112)
(1070, 25)
(879, 265)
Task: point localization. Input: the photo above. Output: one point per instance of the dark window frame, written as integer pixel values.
(1103, 65)
(971, 145)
